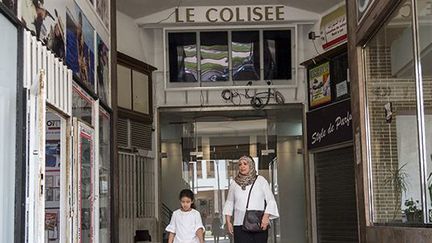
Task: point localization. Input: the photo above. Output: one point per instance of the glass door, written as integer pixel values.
(55, 177)
(84, 179)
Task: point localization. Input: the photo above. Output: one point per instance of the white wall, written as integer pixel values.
(130, 38)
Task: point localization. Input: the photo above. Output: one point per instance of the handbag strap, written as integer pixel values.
(247, 204)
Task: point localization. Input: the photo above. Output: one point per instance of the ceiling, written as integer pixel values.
(142, 8)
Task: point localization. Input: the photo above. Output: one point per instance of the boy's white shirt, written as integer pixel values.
(185, 225)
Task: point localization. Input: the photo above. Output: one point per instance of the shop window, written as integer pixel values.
(425, 40)
(277, 54)
(214, 56)
(245, 55)
(392, 117)
(183, 57)
(82, 105)
(104, 175)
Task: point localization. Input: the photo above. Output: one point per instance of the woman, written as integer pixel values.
(261, 198)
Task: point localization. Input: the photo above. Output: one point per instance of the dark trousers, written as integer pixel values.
(241, 236)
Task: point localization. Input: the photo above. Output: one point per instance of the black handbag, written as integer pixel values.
(253, 218)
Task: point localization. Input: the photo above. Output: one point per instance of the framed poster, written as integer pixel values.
(103, 78)
(80, 51)
(103, 10)
(50, 28)
(11, 4)
(319, 85)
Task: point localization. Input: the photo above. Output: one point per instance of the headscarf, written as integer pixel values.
(246, 180)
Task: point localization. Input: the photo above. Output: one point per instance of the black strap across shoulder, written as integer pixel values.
(247, 205)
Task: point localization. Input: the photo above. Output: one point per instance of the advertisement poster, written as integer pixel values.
(80, 47)
(47, 20)
(53, 143)
(103, 71)
(51, 224)
(102, 8)
(11, 4)
(319, 85)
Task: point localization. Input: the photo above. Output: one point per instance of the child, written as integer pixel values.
(186, 225)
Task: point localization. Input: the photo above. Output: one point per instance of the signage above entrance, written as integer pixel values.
(237, 14)
(230, 14)
(329, 125)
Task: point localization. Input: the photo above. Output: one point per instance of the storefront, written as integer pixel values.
(389, 49)
(57, 109)
(330, 149)
(329, 138)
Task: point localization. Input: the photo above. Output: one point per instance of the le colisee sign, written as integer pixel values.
(230, 14)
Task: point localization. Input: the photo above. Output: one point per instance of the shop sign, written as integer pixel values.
(334, 28)
(230, 14)
(319, 85)
(329, 125)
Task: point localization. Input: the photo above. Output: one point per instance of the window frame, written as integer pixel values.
(141, 67)
(420, 122)
(219, 85)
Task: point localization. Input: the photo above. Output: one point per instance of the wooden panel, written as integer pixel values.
(140, 87)
(124, 88)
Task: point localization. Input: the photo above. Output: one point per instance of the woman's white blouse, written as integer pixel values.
(185, 225)
(237, 199)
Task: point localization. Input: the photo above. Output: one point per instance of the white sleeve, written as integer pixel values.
(198, 222)
(271, 208)
(229, 203)
(172, 225)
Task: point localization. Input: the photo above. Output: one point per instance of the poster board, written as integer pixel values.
(319, 82)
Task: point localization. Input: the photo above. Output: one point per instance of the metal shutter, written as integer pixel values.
(335, 196)
(122, 132)
(141, 135)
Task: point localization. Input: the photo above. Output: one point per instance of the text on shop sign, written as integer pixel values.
(233, 14)
(329, 125)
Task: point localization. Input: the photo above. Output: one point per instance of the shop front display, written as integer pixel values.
(391, 115)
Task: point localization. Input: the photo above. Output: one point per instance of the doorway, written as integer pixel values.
(56, 156)
(200, 151)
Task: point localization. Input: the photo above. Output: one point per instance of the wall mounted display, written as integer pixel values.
(103, 71)
(103, 8)
(11, 4)
(80, 47)
(319, 85)
(47, 20)
(214, 56)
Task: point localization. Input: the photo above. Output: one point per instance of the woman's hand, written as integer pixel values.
(230, 227)
(265, 221)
